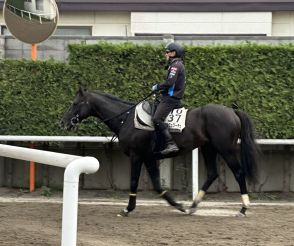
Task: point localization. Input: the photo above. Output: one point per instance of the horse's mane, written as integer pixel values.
(114, 98)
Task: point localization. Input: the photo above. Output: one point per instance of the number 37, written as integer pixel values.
(175, 115)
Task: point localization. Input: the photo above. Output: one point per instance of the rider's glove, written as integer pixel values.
(155, 87)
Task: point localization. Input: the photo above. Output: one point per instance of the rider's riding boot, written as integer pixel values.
(171, 146)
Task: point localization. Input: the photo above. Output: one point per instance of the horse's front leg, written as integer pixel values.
(136, 165)
(154, 173)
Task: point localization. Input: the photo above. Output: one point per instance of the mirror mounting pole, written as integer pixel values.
(32, 163)
(34, 52)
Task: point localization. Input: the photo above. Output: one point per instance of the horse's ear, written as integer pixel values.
(81, 90)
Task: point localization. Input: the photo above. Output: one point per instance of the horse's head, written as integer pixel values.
(79, 110)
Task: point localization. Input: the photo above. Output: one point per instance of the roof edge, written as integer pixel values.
(172, 6)
(178, 7)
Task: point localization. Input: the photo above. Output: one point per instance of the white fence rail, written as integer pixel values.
(74, 166)
(55, 139)
(195, 158)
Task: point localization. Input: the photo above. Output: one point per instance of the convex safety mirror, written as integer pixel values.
(31, 21)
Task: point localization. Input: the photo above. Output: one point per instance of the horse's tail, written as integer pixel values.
(249, 148)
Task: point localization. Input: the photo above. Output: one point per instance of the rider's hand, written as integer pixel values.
(155, 87)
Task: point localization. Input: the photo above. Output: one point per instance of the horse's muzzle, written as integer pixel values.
(66, 125)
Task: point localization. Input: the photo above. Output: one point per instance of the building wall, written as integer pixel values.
(283, 23)
(251, 23)
(128, 24)
(102, 23)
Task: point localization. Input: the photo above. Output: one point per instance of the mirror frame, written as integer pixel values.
(31, 40)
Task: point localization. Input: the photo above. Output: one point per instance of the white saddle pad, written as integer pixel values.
(176, 119)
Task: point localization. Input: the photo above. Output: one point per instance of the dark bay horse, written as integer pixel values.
(214, 128)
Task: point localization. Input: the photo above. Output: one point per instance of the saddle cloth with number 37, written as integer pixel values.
(175, 120)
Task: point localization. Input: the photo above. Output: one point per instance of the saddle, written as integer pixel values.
(143, 118)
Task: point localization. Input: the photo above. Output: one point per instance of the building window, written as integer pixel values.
(39, 5)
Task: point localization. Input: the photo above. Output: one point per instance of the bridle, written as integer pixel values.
(76, 119)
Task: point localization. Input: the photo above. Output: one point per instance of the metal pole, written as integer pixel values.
(71, 195)
(32, 163)
(195, 172)
(32, 173)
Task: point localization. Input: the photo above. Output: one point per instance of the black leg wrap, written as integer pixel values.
(243, 210)
(131, 206)
(132, 203)
(194, 205)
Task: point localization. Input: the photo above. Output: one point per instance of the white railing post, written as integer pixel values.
(195, 172)
(70, 197)
(74, 166)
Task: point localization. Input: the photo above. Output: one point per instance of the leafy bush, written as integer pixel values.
(259, 78)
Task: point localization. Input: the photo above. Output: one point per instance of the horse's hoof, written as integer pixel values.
(123, 213)
(241, 215)
(242, 212)
(192, 209)
(180, 208)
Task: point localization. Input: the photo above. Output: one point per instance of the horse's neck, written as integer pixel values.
(108, 110)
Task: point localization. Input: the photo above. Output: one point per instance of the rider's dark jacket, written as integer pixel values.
(174, 86)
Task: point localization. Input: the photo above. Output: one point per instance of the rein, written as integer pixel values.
(74, 120)
(127, 111)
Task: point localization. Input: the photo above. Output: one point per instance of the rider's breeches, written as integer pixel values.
(166, 105)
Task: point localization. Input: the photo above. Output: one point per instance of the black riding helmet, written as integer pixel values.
(175, 47)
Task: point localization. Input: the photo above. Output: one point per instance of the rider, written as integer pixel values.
(172, 91)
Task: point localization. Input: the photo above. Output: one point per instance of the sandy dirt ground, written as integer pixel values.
(36, 220)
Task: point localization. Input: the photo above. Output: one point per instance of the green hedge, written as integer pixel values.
(31, 102)
(260, 79)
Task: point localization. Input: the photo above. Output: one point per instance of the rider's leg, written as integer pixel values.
(171, 146)
(163, 109)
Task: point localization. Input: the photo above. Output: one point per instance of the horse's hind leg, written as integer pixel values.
(209, 154)
(136, 165)
(154, 173)
(231, 158)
